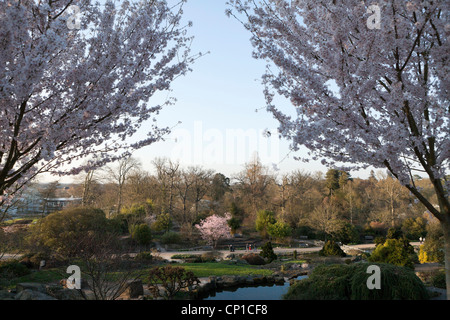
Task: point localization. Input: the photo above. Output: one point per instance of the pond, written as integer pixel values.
(273, 292)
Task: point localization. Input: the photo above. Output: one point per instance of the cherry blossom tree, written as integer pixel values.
(369, 83)
(77, 84)
(214, 228)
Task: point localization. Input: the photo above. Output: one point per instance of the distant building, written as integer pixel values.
(31, 202)
(58, 204)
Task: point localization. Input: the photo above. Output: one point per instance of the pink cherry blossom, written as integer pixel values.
(214, 228)
(71, 94)
(362, 96)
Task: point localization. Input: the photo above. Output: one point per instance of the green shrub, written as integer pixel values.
(395, 251)
(438, 280)
(142, 234)
(397, 283)
(331, 248)
(234, 223)
(349, 282)
(324, 283)
(414, 228)
(433, 248)
(279, 230)
(64, 233)
(379, 240)
(163, 222)
(347, 233)
(170, 237)
(13, 269)
(267, 252)
(263, 219)
(121, 223)
(394, 233)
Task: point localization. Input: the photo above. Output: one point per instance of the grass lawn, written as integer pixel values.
(207, 269)
(43, 276)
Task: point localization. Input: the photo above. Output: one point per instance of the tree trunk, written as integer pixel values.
(446, 228)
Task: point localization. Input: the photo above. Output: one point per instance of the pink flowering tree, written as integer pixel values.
(76, 82)
(369, 85)
(214, 228)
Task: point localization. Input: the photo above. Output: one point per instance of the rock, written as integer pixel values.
(249, 280)
(6, 295)
(64, 293)
(305, 266)
(278, 279)
(39, 287)
(29, 294)
(134, 289)
(207, 287)
(241, 280)
(254, 259)
(259, 280)
(213, 281)
(229, 281)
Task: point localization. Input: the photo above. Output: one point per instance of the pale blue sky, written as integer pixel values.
(216, 103)
(218, 99)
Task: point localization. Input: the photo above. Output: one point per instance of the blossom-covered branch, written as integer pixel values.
(73, 93)
(363, 97)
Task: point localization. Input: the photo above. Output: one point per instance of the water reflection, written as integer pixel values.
(274, 292)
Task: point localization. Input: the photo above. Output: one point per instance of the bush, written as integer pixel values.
(395, 251)
(331, 248)
(130, 217)
(279, 230)
(347, 233)
(121, 223)
(263, 219)
(170, 237)
(349, 282)
(63, 233)
(234, 223)
(172, 279)
(379, 240)
(13, 269)
(142, 234)
(414, 228)
(433, 248)
(267, 252)
(163, 223)
(438, 280)
(394, 233)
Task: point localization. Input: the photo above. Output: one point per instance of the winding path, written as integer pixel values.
(168, 254)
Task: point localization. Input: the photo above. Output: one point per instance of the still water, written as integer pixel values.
(274, 292)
